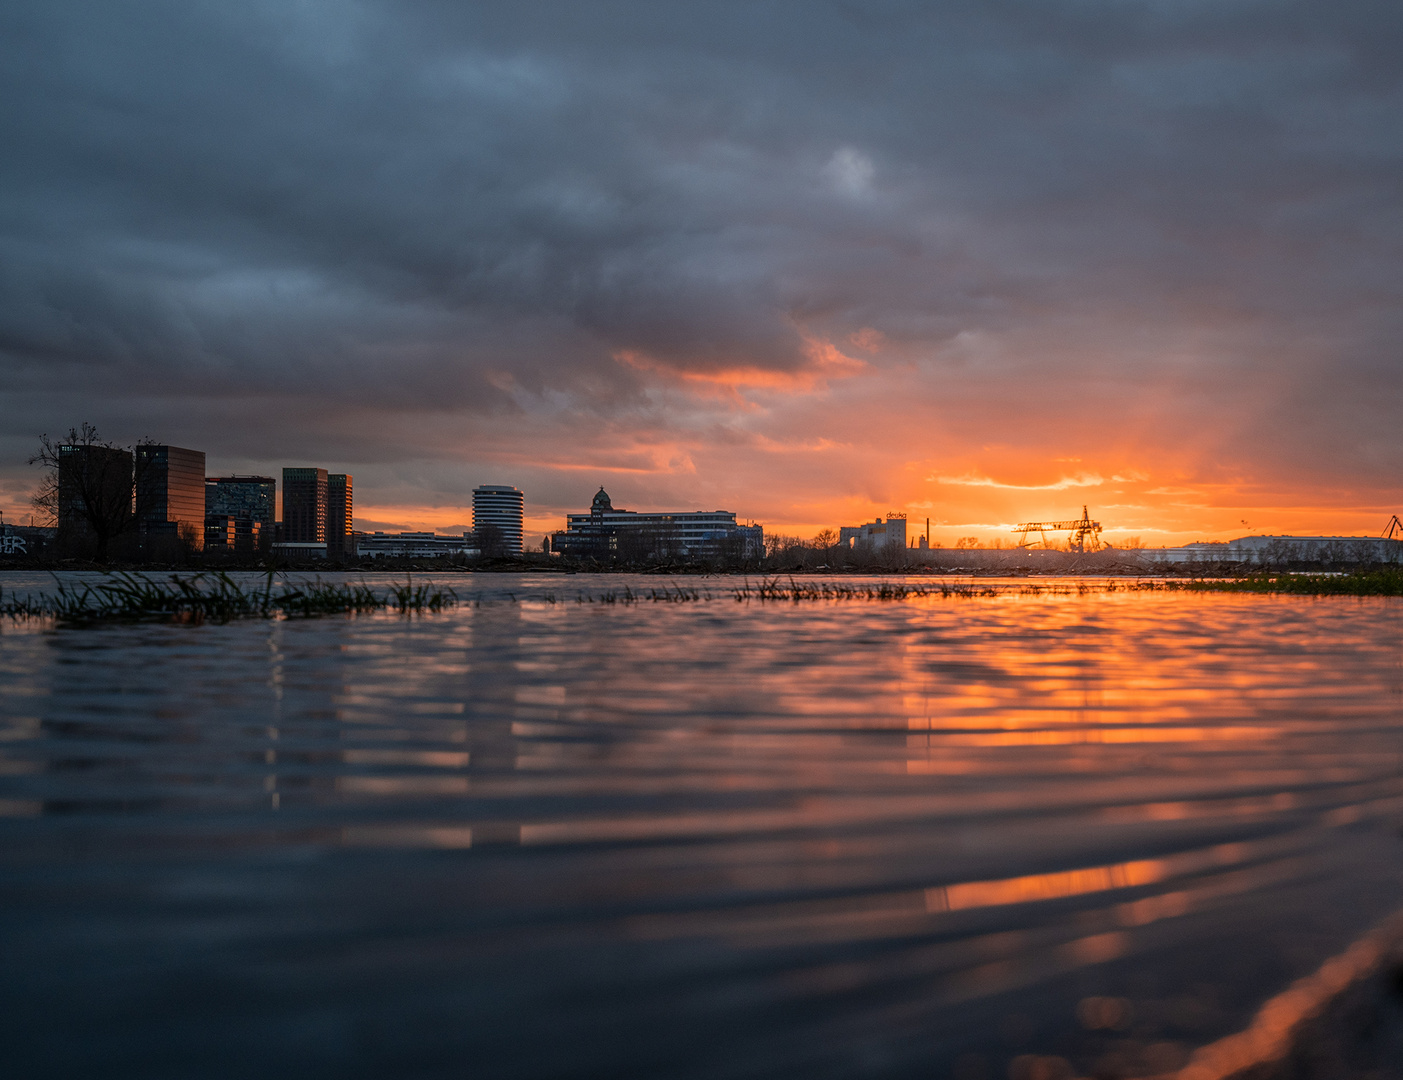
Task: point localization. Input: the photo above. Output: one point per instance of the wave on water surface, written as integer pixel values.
(1074, 832)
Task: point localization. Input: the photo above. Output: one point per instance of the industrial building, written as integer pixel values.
(876, 537)
(170, 494)
(240, 512)
(499, 514)
(26, 541)
(1273, 550)
(609, 534)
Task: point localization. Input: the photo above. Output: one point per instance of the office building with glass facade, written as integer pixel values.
(304, 506)
(498, 515)
(170, 492)
(239, 512)
(339, 542)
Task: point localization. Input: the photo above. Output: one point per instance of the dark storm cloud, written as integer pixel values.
(471, 208)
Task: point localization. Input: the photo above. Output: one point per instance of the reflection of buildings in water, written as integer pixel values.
(984, 685)
(730, 812)
(428, 722)
(489, 687)
(275, 709)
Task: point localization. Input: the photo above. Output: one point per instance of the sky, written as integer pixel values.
(977, 261)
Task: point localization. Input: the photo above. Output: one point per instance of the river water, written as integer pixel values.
(542, 835)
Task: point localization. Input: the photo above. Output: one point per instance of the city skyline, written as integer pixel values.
(983, 263)
(940, 534)
(159, 490)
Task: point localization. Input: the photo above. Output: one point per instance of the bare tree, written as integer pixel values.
(87, 489)
(491, 541)
(191, 538)
(781, 546)
(45, 498)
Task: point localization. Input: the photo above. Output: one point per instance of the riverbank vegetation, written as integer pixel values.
(1385, 582)
(198, 598)
(216, 597)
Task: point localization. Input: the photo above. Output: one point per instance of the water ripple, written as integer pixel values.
(703, 839)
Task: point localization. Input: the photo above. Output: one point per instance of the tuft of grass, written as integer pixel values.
(216, 597)
(418, 599)
(776, 589)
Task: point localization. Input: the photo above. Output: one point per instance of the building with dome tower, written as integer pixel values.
(609, 534)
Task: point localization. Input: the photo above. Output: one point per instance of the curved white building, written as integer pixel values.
(502, 507)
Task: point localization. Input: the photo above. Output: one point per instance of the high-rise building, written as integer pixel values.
(94, 495)
(221, 532)
(339, 543)
(170, 492)
(498, 516)
(250, 502)
(304, 506)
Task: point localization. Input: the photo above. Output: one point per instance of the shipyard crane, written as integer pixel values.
(1394, 529)
(1080, 530)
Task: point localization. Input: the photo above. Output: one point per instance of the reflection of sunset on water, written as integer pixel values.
(906, 821)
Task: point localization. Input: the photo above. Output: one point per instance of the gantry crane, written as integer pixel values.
(1394, 529)
(1080, 530)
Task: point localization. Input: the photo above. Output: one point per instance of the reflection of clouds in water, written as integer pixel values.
(933, 805)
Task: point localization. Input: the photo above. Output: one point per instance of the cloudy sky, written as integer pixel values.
(978, 260)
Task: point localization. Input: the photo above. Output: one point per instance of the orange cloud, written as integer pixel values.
(985, 481)
(825, 362)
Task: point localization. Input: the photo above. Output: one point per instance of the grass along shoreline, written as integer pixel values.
(216, 597)
(1387, 582)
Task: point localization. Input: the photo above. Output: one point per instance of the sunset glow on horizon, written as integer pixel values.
(984, 266)
(816, 450)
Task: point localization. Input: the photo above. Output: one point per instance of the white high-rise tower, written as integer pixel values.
(503, 508)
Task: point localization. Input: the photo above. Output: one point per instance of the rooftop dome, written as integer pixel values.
(601, 503)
